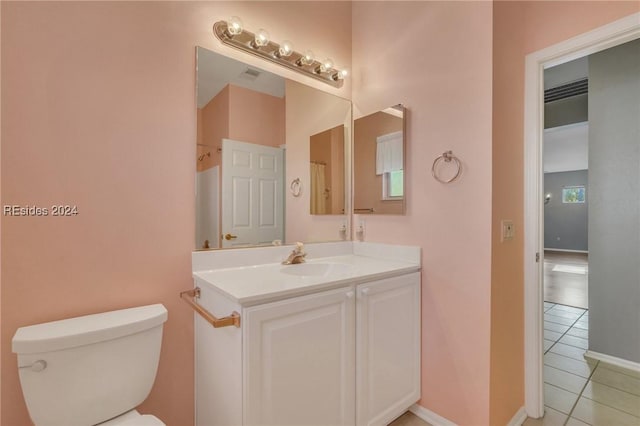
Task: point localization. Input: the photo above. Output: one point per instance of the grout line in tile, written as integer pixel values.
(581, 392)
(591, 373)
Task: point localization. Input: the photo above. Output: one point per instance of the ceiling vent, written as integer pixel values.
(578, 87)
(250, 74)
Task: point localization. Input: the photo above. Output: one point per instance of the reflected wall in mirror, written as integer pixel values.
(378, 167)
(327, 171)
(253, 132)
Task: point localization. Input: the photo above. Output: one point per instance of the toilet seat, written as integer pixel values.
(133, 418)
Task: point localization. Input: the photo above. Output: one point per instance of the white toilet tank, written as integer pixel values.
(86, 370)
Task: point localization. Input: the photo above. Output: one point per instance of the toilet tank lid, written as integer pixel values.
(85, 330)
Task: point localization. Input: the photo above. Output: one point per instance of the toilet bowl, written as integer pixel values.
(91, 370)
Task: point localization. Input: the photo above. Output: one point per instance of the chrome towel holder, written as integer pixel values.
(447, 157)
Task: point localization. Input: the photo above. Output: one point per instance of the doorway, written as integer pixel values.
(565, 165)
(611, 35)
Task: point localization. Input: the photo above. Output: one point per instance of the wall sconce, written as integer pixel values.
(232, 33)
(547, 198)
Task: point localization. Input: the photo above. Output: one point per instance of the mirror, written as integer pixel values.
(378, 167)
(254, 132)
(327, 169)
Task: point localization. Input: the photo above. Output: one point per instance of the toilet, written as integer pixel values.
(91, 370)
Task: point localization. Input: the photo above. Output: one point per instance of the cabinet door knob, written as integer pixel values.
(230, 237)
(364, 291)
(349, 295)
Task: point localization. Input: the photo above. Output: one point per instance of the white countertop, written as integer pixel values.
(249, 285)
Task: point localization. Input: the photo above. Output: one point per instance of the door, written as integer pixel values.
(252, 194)
(387, 348)
(299, 361)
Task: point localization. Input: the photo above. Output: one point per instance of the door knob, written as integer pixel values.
(230, 237)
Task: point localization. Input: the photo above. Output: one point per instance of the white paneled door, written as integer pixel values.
(252, 194)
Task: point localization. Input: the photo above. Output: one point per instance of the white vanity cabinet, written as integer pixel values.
(345, 356)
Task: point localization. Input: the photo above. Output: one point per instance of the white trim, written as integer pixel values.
(613, 360)
(567, 250)
(518, 418)
(430, 417)
(613, 34)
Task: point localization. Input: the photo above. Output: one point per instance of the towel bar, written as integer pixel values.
(190, 297)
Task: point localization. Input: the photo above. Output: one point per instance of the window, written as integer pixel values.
(393, 185)
(573, 194)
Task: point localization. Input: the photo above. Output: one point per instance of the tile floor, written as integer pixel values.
(409, 419)
(581, 391)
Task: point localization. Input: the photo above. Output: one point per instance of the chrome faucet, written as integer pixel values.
(296, 256)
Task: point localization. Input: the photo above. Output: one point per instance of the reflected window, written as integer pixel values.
(393, 185)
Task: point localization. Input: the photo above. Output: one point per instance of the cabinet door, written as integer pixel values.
(299, 357)
(388, 348)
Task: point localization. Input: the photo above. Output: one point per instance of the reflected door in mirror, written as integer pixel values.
(253, 199)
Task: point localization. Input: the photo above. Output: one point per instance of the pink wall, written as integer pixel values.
(521, 28)
(507, 291)
(100, 111)
(255, 117)
(213, 118)
(435, 57)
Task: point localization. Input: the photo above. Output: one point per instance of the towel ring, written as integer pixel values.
(296, 187)
(447, 157)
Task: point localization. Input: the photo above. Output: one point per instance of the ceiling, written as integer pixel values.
(566, 73)
(216, 71)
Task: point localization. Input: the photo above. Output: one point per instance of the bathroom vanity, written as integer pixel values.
(332, 341)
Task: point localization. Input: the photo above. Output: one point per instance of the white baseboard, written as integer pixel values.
(518, 418)
(567, 250)
(619, 362)
(429, 416)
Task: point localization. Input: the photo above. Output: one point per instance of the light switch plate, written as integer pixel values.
(508, 230)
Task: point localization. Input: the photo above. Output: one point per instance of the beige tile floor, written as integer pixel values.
(581, 391)
(409, 419)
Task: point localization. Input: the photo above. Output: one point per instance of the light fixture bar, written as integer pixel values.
(245, 41)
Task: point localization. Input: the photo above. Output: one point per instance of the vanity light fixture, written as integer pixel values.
(232, 33)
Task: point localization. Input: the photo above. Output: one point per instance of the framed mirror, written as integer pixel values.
(378, 166)
(254, 132)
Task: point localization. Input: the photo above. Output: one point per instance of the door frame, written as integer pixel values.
(601, 38)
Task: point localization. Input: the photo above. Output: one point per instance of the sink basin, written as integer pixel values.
(317, 269)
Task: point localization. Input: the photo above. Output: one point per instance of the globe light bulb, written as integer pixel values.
(234, 26)
(286, 48)
(326, 65)
(262, 38)
(306, 59)
(340, 75)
